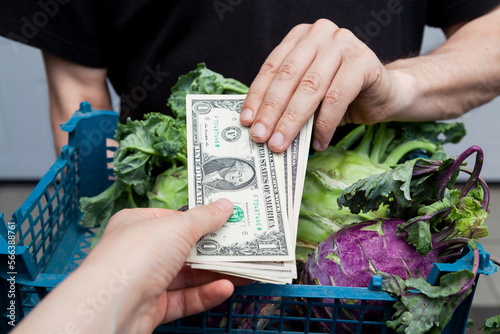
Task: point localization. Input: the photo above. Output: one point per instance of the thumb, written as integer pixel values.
(207, 218)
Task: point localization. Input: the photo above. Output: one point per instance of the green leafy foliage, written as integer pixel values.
(423, 308)
(145, 144)
(148, 166)
(174, 181)
(105, 204)
(468, 216)
(201, 81)
(441, 133)
(386, 188)
(491, 325)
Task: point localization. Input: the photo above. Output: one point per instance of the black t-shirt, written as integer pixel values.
(147, 44)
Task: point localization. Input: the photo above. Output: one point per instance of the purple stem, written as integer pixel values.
(450, 257)
(450, 242)
(445, 233)
(422, 170)
(475, 173)
(456, 165)
(427, 217)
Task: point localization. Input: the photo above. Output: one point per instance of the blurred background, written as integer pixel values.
(26, 149)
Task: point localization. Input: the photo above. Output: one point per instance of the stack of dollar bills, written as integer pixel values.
(258, 241)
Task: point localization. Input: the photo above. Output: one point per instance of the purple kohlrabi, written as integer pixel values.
(352, 255)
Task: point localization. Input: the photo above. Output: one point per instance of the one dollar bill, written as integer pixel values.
(224, 162)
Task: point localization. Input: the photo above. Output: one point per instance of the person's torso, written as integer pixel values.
(151, 43)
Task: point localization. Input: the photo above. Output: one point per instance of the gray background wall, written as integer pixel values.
(26, 150)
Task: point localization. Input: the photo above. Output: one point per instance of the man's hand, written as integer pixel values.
(322, 69)
(316, 66)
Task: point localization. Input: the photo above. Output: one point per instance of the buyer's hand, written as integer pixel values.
(135, 278)
(317, 66)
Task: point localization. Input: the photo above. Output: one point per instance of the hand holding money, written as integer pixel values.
(258, 240)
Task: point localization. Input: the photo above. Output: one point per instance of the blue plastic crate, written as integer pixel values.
(48, 243)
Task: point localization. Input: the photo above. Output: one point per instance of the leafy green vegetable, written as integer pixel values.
(173, 181)
(106, 204)
(428, 308)
(201, 81)
(150, 163)
(156, 141)
(491, 325)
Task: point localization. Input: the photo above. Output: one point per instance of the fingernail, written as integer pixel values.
(277, 140)
(317, 145)
(224, 204)
(258, 130)
(246, 115)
